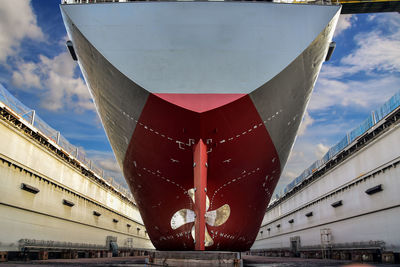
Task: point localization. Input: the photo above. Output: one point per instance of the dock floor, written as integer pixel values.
(251, 261)
(260, 261)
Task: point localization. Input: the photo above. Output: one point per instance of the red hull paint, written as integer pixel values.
(200, 102)
(243, 169)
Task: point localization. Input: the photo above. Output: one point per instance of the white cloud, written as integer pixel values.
(388, 21)
(375, 51)
(56, 82)
(376, 55)
(106, 161)
(27, 76)
(344, 23)
(295, 155)
(307, 121)
(109, 164)
(17, 21)
(367, 94)
(53, 78)
(371, 17)
(327, 93)
(321, 150)
(337, 71)
(290, 175)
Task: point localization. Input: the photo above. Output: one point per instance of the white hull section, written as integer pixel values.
(200, 47)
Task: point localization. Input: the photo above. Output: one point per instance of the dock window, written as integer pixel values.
(68, 203)
(95, 213)
(29, 188)
(337, 204)
(373, 190)
(309, 214)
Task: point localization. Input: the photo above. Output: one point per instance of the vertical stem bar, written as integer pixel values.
(200, 183)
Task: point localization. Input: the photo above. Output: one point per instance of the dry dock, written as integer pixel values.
(52, 203)
(347, 208)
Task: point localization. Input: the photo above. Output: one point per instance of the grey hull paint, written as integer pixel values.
(282, 101)
(200, 46)
(118, 100)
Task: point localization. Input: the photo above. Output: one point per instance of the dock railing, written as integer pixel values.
(30, 116)
(374, 118)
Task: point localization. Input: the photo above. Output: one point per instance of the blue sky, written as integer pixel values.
(35, 67)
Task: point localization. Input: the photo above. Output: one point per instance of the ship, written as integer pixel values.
(201, 102)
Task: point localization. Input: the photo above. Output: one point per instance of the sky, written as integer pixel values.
(36, 67)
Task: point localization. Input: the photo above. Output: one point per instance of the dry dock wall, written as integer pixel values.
(306, 220)
(47, 216)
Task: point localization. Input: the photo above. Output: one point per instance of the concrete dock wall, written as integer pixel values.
(48, 214)
(307, 221)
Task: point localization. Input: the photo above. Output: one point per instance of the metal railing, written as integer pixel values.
(375, 117)
(30, 116)
(49, 244)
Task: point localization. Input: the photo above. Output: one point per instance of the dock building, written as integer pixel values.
(346, 205)
(53, 198)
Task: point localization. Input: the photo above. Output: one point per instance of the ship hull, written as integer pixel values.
(241, 156)
(248, 135)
